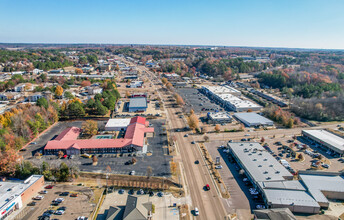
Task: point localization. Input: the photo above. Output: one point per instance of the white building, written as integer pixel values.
(251, 119)
(117, 124)
(219, 117)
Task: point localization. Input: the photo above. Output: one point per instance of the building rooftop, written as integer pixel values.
(237, 102)
(252, 118)
(290, 197)
(318, 183)
(219, 115)
(118, 122)
(9, 190)
(261, 165)
(327, 137)
(274, 214)
(140, 102)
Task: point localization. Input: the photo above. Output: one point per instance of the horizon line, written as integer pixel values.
(177, 45)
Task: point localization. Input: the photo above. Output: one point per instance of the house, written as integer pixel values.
(9, 96)
(34, 97)
(137, 104)
(92, 90)
(23, 87)
(136, 208)
(59, 71)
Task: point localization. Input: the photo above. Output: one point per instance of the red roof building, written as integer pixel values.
(133, 140)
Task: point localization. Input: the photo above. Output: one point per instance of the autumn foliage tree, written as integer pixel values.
(179, 100)
(85, 83)
(193, 122)
(89, 128)
(217, 128)
(78, 71)
(59, 91)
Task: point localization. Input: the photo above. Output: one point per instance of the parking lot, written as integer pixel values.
(158, 157)
(197, 101)
(75, 206)
(163, 205)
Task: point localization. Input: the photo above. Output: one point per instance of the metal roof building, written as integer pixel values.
(273, 180)
(138, 104)
(251, 119)
(326, 139)
(117, 124)
(324, 186)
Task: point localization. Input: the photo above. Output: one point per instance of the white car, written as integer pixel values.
(254, 193)
(226, 151)
(196, 211)
(245, 179)
(218, 167)
(59, 212)
(43, 192)
(38, 197)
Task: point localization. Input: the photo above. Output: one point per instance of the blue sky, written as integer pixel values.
(265, 23)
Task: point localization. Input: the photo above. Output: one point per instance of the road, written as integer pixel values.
(209, 202)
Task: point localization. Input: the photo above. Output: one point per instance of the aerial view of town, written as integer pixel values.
(171, 110)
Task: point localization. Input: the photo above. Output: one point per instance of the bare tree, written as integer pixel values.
(149, 171)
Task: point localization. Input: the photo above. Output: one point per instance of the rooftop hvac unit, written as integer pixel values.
(277, 172)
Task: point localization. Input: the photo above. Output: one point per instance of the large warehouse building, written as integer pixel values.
(226, 96)
(327, 140)
(251, 119)
(13, 194)
(271, 179)
(134, 140)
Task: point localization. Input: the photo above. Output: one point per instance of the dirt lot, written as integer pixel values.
(76, 206)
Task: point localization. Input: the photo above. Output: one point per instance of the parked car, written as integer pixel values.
(49, 187)
(186, 135)
(196, 211)
(32, 203)
(325, 165)
(59, 212)
(207, 187)
(83, 217)
(38, 197)
(140, 192)
(160, 194)
(192, 142)
(74, 195)
(218, 167)
(132, 172)
(43, 192)
(121, 191)
(197, 162)
(245, 180)
(64, 194)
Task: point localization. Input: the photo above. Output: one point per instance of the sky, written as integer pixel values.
(251, 23)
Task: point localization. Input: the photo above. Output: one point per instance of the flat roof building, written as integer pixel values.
(326, 140)
(251, 119)
(225, 96)
(13, 194)
(137, 104)
(219, 117)
(117, 124)
(272, 179)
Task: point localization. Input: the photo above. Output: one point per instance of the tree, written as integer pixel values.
(180, 100)
(69, 95)
(193, 121)
(60, 154)
(164, 81)
(78, 71)
(94, 159)
(149, 171)
(101, 109)
(206, 138)
(85, 83)
(75, 109)
(64, 173)
(8, 161)
(300, 157)
(217, 128)
(90, 127)
(127, 94)
(173, 167)
(58, 91)
(42, 102)
(133, 160)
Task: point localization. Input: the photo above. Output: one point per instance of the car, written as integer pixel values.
(59, 212)
(59, 200)
(23, 149)
(160, 194)
(192, 142)
(325, 165)
(32, 203)
(73, 195)
(207, 187)
(243, 139)
(46, 214)
(83, 217)
(151, 193)
(254, 193)
(197, 162)
(222, 146)
(38, 198)
(245, 180)
(131, 192)
(247, 135)
(140, 192)
(62, 208)
(260, 206)
(132, 173)
(49, 187)
(121, 191)
(218, 167)
(64, 194)
(186, 135)
(225, 150)
(43, 192)
(196, 211)
(33, 143)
